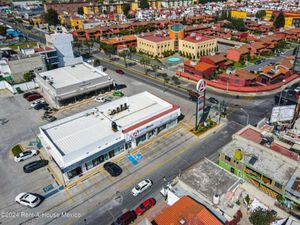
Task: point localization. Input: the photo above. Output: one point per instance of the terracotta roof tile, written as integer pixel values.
(188, 210)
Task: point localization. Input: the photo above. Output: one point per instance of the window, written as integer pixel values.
(279, 186)
(236, 162)
(227, 158)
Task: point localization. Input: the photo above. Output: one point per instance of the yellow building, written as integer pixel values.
(76, 23)
(37, 20)
(155, 45)
(292, 19)
(238, 14)
(134, 6)
(269, 14)
(118, 8)
(155, 4)
(197, 45)
(90, 10)
(64, 19)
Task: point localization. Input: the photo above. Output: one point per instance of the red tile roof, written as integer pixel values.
(188, 210)
(156, 38)
(197, 38)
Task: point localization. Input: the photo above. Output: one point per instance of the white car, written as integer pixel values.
(140, 187)
(100, 99)
(25, 155)
(28, 199)
(34, 103)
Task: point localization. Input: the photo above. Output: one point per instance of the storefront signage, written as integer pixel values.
(140, 131)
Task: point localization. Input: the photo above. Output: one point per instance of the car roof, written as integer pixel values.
(28, 197)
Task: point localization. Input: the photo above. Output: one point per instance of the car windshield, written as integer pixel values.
(142, 207)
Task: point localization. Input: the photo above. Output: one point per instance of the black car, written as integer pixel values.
(50, 118)
(213, 100)
(30, 167)
(126, 218)
(113, 169)
(42, 105)
(120, 86)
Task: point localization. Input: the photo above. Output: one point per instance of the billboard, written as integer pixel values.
(282, 113)
(200, 105)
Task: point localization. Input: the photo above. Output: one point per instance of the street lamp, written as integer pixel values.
(247, 114)
(281, 93)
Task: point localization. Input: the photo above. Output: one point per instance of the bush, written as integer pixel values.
(16, 150)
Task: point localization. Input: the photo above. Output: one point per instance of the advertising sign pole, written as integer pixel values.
(200, 104)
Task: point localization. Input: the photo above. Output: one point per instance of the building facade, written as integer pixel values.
(72, 83)
(105, 132)
(197, 45)
(155, 45)
(62, 42)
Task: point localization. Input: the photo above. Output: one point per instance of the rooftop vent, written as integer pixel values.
(193, 34)
(114, 126)
(253, 160)
(182, 221)
(198, 38)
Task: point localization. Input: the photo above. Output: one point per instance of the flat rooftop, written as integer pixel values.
(270, 164)
(70, 75)
(209, 179)
(90, 131)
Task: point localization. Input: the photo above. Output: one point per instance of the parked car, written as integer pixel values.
(213, 100)
(145, 206)
(126, 218)
(50, 118)
(120, 71)
(109, 98)
(258, 61)
(27, 94)
(113, 169)
(25, 155)
(30, 167)
(140, 187)
(33, 97)
(28, 199)
(118, 93)
(35, 103)
(41, 105)
(100, 99)
(120, 86)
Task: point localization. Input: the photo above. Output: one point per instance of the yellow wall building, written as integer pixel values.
(238, 14)
(156, 4)
(76, 23)
(197, 45)
(134, 6)
(155, 45)
(90, 10)
(269, 14)
(292, 19)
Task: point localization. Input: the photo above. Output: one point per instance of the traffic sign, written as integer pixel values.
(201, 85)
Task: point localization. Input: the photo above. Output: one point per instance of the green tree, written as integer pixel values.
(184, 20)
(108, 49)
(80, 10)
(279, 21)
(124, 54)
(2, 30)
(125, 32)
(260, 14)
(126, 9)
(51, 17)
(139, 29)
(261, 217)
(28, 76)
(132, 49)
(96, 63)
(89, 44)
(145, 61)
(144, 4)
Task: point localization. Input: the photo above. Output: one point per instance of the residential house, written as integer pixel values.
(273, 74)
(201, 69)
(238, 54)
(186, 211)
(219, 61)
(240, 78)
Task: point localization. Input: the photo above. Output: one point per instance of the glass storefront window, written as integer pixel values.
(89, 165)
(98, 160)
(140, 139)
(161, 128)
(74, 172)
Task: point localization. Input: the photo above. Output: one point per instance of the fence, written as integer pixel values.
(22, 86)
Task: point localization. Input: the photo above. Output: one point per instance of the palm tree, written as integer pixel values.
(124, 54)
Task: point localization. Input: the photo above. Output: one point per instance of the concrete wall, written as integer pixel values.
(23, 86)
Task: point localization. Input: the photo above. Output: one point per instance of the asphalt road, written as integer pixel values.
(107, 213)
(257, 108)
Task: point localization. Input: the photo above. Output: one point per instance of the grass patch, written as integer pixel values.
(203, 128)
(16, 150)
(238, 65)
(30, 44)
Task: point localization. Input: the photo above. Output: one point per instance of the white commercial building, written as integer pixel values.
(87, 139)
(72, 83)
(62, 42)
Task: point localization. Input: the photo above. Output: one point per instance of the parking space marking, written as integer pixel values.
(69, 195)
(95, 182)
(82, 188)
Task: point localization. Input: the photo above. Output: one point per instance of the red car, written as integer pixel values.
(27, 94)
(145, 206)
(33, 97)
(120, 71)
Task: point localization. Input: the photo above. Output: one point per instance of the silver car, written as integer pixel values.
(25, 155)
